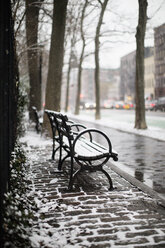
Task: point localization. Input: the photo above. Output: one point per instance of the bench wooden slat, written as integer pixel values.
(94, 146)
(86, 149)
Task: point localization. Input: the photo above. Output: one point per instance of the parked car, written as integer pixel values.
(90, 105)
(108, 104)
(160, 104)
(82, 105)
(150, 104)
(128, 105)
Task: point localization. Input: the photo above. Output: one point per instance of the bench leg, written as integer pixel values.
(71, 175)
(109, 178)
(54, 152)
(60, 157)
(62, 161)
(74, 176)
(81, 169)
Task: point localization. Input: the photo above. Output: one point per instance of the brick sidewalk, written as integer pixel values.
(91, 216)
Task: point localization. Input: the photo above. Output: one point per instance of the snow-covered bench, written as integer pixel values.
(82, 147)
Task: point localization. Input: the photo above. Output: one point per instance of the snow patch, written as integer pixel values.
(53, 181)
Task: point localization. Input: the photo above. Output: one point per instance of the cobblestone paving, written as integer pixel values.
(90, 215)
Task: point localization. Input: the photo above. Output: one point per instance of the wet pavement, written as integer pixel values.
(141, 157)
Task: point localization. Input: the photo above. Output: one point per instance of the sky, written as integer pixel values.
(123, 15)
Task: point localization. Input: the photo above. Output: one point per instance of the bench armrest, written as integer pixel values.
(77, 126)
(114, 156)
(70, 121)
(90, 131)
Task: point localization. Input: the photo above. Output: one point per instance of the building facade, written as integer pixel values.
(128, 75)
(159, 39)
(149, 76)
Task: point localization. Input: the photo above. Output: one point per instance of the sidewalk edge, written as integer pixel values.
(153, 194)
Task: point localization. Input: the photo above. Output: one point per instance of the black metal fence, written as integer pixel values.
(8, 100)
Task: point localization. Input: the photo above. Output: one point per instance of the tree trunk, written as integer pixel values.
(140, 122)
(32, 14)
(68, 83)
(77, 107)
(97, 65)
(53, 89)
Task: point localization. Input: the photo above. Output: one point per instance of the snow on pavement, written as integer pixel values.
(125, 217)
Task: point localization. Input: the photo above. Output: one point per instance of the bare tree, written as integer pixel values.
(140, 122)
(71, 57)
(53, 89)
(97, 65)
(73, 19)
(77, 106)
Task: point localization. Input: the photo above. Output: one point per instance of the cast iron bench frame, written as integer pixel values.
(76, 127)
(69, 140)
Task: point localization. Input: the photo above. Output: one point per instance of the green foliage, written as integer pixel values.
(18, 216)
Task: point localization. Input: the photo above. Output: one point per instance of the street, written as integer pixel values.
(141, 157)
